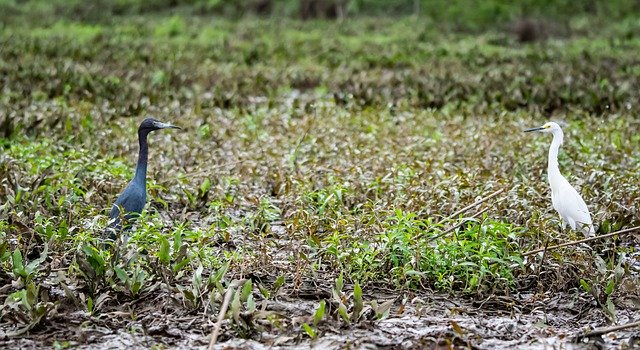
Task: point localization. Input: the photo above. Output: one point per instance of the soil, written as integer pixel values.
(416, 321)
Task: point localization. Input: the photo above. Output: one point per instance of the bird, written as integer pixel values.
(566, 200)
(134, 196)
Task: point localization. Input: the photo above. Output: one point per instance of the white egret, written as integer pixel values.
(566, 200)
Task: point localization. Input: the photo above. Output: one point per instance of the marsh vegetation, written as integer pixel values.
(320, 174)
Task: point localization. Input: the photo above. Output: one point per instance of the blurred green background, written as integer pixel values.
(459, 14)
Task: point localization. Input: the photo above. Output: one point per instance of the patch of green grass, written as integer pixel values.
(412, 252)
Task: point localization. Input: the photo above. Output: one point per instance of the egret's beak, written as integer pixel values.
(534, 129)
(160, 125)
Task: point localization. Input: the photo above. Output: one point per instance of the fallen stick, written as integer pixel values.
(544, 254)
(223, 310)
(582, 241)
(605, 330)
(450, 229)
(478, 202)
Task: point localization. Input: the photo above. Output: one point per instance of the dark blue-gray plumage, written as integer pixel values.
(134, 196)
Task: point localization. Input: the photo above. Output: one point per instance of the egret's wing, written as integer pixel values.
(571, 205)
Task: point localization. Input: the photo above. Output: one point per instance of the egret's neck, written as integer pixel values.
(143, 157)
(553, 170)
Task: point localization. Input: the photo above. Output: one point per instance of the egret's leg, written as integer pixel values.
(544, 253)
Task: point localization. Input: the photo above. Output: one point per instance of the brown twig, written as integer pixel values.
(544, 254)
(605, 330)
(450, 229)
(480, 201)
(223, 310)
(582, 241)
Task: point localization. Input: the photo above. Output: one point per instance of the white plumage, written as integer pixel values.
(566, 200)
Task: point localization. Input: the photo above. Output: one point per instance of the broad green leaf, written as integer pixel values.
(33, 265)
(342, 311)
(247, 288)
(18, 267)
(358, 304)
(319, 314)
(310, 332)
(164, 252)
(122, 275)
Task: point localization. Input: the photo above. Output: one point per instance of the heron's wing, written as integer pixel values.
(132, 199)
(115, 212)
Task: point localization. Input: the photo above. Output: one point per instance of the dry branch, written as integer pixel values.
(605, 330)
(480, 201)
(450, 229)
(223, 310)
(582, 241)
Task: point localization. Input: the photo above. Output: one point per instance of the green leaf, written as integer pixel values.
(585, 286)
(33, 265)
(140, 278)
(204, 187)
(342, 311)
(319, 314)
(339, 283)
(163, 253)
(94, 258)
(18, 267)
(383, 310)
(122, 275)
(89, 305)
(310, 332)
(264, 291)
(251, 304)
(278, 283)
(177, 241)
(358, 304)
(181, 264)
(4, 251)
(217, 277)
(611, 285)
(19, 297)
(247, 288)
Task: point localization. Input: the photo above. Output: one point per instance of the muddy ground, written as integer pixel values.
(416, 321)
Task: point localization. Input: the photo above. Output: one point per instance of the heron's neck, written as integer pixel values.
(553, 169)
(143, 157)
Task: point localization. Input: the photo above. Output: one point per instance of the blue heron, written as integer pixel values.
(134, 196)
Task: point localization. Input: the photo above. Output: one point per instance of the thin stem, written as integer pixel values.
(583, 240)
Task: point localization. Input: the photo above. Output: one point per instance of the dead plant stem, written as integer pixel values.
(582, 241)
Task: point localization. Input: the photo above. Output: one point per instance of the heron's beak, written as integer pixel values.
(534, 129)
(160, 125)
